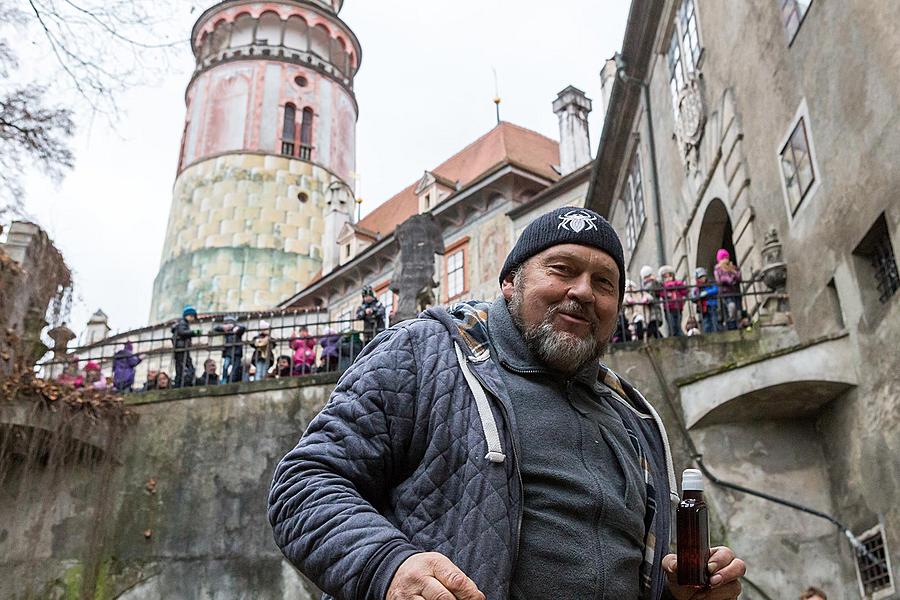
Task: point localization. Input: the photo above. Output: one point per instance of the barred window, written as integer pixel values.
(633, 200)
(797, 165)
(456, 273)
(792, 14)
(876, 250)
(873, 566)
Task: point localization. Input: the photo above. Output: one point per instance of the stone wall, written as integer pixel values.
(182, 513)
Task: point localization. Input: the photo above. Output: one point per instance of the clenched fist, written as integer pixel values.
(431, 576)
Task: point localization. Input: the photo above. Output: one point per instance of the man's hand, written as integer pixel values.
(431, 576)
(724, 569)
(368, 311)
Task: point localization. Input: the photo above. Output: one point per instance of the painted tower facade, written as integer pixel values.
(267, 156)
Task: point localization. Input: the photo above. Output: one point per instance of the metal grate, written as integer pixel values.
(873, 567)
(886, 276)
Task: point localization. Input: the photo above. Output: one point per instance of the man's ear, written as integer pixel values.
(506, 287)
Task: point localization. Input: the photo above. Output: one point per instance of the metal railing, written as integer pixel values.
(212, 356)
(689, 309)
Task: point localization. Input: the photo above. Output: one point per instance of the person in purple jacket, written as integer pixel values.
(331, 350)
(124, 362)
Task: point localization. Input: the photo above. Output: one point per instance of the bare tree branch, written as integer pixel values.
(101, 48)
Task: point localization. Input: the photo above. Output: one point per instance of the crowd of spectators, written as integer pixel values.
(300, 354)
(662, 306)
(665, 306)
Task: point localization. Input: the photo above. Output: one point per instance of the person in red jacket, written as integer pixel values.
(674, 293)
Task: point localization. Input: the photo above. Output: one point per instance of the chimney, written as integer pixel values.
(338, 203)
(607, 79)
(97, 328)
(572, 107)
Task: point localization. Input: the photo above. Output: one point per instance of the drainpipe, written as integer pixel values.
(657, 209)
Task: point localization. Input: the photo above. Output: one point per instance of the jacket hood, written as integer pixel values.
(467, 323)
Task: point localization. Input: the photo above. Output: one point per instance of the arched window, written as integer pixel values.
(320, 41)
(306, 134)
(296, 34)
(242, 32)
(268, 31)
(339, 56)
(218, 41)
(287, 131)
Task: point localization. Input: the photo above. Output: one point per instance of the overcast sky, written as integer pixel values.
(425, 91)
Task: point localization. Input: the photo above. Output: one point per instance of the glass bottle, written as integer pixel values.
(692, 528)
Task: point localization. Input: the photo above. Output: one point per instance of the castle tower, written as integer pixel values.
(270, 129)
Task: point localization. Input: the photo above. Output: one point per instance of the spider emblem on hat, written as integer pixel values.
(577, 220)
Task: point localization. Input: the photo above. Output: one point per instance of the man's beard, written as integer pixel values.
(560, 350)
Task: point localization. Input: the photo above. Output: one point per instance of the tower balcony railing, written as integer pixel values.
(260, 50)
(303, 151)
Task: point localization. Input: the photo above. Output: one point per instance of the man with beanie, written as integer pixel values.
(484, 451)
(182, 332)
(371, 313)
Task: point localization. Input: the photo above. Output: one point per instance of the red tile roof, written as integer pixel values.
(504, 144)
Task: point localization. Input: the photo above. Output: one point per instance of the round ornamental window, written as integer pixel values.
(303, 197)
(301, 81)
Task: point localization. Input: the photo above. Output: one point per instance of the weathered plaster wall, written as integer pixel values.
(785, 457)
(198, 531)
(240, 106)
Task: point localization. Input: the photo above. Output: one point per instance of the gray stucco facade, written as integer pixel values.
(744, 86)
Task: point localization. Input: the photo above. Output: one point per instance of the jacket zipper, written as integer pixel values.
(515, 456)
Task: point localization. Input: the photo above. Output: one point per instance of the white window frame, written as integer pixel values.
(802, 114)
(685, 49)
(456, 274)
(634, 218)
(799, 11)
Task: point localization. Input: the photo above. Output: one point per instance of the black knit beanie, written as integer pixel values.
(567, 225)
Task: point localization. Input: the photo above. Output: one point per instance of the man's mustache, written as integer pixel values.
(571, 307)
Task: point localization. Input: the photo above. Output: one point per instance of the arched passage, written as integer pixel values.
(715, 232)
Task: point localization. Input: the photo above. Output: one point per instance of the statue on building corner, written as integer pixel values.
(419, 238)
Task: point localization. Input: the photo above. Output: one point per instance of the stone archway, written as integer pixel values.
(716, 231)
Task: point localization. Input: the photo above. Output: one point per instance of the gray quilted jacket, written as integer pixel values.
(415, 452)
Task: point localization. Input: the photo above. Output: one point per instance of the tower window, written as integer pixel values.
(303, 197)
(301, 81)
(287, 132)
(306, 125)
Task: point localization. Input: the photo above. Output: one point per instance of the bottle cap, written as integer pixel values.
(692, 480)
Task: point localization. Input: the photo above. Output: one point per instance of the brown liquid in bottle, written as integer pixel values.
(693, 540)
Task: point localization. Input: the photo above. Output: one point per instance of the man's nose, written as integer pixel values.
(581, 290)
